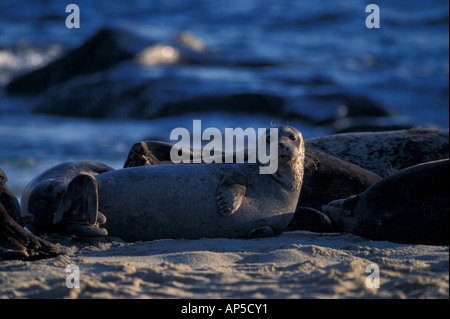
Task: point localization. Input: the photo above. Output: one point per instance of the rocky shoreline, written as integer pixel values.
(116, 73)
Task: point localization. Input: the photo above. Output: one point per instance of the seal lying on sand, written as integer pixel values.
(325, 179)
(410, 206)
(380, 152)
(385, 152)
(177, 201)
(41, 199)
(16, 242)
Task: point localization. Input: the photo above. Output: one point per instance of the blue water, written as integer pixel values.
(404, 65)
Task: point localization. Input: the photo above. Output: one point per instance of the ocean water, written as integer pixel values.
(309, 47)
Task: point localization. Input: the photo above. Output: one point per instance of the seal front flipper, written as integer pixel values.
(8, 200)
(77, 212)
(230, 192)
(17, 243)
(261, 232)
(310, 219)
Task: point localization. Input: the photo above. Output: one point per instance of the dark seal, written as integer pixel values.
(326, 178)
(385, 152)
(15, 241)
(410, 206)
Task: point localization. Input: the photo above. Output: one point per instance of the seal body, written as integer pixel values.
(385, 152)
(180, 201)
(410, 206)
(170, 201)
(326, 178)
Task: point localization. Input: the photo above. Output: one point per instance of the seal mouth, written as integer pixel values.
(284, 154)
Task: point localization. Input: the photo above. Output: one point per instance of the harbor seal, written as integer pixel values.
(182, 201)
(410, 206)
(16, 242)
(385, 152)
(325, 179)
(41, 197)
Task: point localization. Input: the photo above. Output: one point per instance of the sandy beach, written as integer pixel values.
(293, 265)
(86, 81)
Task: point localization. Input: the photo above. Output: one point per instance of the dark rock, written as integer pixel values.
(350, 105)
(102, 97)
(110, 46)
(255, 103)
(104, 49)
(373, 128)
(367, 124)
(93, 98)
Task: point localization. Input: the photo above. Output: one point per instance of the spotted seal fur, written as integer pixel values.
(385, 152)
(173, 201)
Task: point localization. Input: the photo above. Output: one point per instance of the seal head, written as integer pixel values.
(291, 157)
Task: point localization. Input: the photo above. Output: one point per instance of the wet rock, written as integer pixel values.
(109, 47)
(338, 110)
(104, 50)
(93, 98)
(254, 103)
(368, 124)
(98, 97)
(373, 128)
(352, 105)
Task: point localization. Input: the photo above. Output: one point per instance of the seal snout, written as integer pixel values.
(288, 149)
(283, 151)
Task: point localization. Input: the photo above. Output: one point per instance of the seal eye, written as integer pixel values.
(292, 137)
